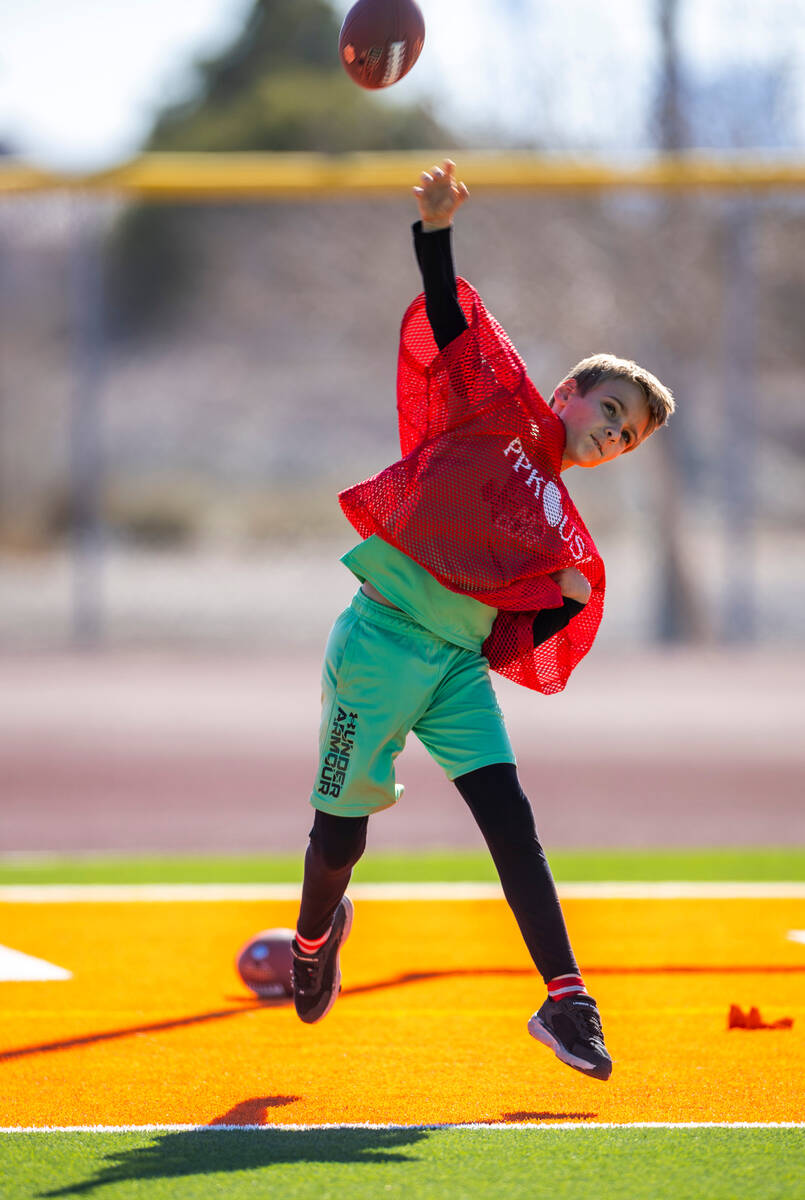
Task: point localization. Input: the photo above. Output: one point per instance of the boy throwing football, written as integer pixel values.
(472, 557)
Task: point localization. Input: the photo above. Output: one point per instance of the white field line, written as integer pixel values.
(496, 1125)
(17, 967)
(110, 893)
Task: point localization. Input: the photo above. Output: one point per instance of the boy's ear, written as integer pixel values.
(563, 394)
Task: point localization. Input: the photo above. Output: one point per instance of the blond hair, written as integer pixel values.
(598, 368)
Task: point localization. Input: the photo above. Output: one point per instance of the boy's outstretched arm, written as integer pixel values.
(439, 196)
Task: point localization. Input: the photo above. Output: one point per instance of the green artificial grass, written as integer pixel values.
(429, 1164)
(749, 864)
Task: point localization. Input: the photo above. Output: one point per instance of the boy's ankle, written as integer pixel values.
(563, 986)
(311, 945)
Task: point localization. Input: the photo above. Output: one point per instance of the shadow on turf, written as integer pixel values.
(516, 1117)
(510, 972)
(253, 1112)
(214, 1151)
(249, 1003)
(110, 1035)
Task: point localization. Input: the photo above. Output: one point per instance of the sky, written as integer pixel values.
(80, 80)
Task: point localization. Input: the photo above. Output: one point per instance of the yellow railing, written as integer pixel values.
(278, 176)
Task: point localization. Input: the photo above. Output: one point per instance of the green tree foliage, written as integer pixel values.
(280, 86)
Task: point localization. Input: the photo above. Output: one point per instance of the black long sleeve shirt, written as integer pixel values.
(434, 253)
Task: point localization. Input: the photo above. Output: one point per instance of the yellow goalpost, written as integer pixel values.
(272, 175)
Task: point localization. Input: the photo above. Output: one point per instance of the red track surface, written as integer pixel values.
(131, 752)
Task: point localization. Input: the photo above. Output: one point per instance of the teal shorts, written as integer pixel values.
(385, 676)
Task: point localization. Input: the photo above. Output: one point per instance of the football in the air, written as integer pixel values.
(264, 964)
(381, 40)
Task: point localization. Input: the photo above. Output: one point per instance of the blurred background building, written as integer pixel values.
(185, 386)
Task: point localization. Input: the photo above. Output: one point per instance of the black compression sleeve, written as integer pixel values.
(549, 621)
(434, 253)
(504, 816)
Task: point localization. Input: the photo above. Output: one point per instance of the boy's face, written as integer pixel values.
(611, 418)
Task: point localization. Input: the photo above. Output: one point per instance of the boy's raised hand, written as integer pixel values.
(438, 196)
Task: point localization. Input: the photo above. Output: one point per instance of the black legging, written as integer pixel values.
(503, 814)
(336, 844)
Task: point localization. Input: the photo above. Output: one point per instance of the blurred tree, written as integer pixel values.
(278, 86)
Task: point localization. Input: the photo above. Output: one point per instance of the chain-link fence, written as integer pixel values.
(184, 387)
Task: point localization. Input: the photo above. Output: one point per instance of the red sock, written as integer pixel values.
(566, 985)
(311, 945)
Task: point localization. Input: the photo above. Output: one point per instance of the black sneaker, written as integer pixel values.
(317, 977)
(571, 1027)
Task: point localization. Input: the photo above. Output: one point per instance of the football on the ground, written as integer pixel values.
(264, 964)
(381, 40)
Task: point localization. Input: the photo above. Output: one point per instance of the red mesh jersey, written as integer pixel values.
(477, 498)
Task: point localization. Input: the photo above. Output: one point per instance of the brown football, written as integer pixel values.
(381, 40)
(264, 964)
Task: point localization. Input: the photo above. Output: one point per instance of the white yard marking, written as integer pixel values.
(111, 893)
(16, 967)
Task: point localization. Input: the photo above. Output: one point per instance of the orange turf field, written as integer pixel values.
(155, 1027)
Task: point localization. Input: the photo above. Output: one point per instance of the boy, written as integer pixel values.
(473, 557)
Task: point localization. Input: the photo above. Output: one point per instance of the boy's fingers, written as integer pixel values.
(438, 175)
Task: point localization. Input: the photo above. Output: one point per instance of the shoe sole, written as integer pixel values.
(349, 912)
(542, 1033)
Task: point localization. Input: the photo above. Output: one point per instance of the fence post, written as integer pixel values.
(85, 433)
(740, 424)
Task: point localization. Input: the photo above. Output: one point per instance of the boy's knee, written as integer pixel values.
(339, 841)
(499, 804)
